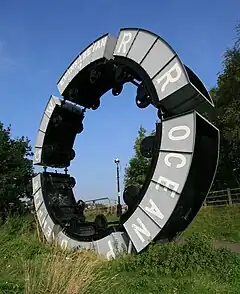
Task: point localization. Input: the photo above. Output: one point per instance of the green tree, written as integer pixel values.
(138, 166)
(226, 116)
(16, 170)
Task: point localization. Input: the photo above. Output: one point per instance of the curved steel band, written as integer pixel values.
(184, 162)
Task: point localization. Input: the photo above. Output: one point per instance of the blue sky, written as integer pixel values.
(39, 39)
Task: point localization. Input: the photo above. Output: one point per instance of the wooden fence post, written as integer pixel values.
(229, 196)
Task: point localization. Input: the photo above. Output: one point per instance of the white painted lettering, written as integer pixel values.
(186, 134)
(69, 72)
(77, 65)
(168, 184)
(36, 184)
(141, 230)
(84, 55)
(168, 76)
(40, 213)
(175, 155)
(48, 232)
(103, 42)
(37, 154)
(89, 51)
(38, 201)
(40, 216)
(125, 40)
(154, 210)
(50, 107)
(64, 243)
(111, 253)
(98, 45)
(95, 47)
(37, 195)
(44, 224)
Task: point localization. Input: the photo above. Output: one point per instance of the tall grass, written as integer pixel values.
(66, 273)
(28, 264)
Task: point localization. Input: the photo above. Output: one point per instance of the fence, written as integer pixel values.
(214, 198)
(223, 197)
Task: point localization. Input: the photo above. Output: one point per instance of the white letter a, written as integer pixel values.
(154, 210)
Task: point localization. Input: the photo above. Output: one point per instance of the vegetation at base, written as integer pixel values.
(65, 272)
(28, 264)
(192, 267)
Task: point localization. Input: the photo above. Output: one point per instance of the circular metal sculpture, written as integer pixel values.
(184, 150)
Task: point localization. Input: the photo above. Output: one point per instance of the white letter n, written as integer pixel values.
(138, 230)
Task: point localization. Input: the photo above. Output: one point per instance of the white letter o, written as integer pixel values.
(186, 129)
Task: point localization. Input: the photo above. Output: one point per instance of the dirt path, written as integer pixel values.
(235, 247)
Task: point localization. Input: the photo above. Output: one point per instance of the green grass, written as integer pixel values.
(191, 267)
(18, 243)
(220, 223)
(110, 217)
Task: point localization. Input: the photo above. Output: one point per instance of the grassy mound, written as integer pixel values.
(192, 267)
(29, 265)
(220, 223)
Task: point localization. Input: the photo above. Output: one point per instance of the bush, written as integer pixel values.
(194, 266)
(195, 257)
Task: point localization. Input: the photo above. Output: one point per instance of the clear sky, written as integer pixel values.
(39, 39)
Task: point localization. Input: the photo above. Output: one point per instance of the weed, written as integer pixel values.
(29, 265)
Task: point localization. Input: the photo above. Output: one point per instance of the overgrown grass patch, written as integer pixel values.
(28, 265)
(192, 267)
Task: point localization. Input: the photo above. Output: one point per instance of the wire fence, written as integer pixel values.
(223, 197)
(108, 206)
(214, 198)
